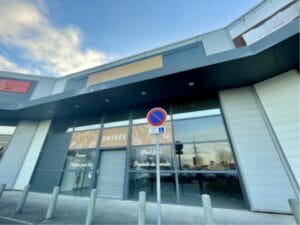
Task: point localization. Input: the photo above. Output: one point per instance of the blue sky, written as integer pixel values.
(59, 37)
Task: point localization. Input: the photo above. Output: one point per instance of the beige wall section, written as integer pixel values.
(145, 65)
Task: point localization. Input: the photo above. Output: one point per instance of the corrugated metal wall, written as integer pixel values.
(266, 182)
(111, 177)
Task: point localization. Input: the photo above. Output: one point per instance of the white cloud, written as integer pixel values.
(7, 65)
(58, 50)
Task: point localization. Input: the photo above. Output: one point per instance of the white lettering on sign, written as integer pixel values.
(80, 164)
(116, 137)
(148, 164)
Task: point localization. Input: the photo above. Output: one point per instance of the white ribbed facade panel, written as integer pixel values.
(265, 181)
(32, 155)
(12, 161)
(280, 97)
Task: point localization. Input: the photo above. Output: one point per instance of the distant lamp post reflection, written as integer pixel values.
(178, 148)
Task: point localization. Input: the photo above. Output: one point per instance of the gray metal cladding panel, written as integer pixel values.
(51, 161)
(44, 181)
(111, 177)
(14, 156)
(57, 142)
(54, 152)
(265, 180)
(43, 88)
(75, 83)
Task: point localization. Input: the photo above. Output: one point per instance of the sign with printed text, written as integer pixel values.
(156, 130)
(140, 135)
(114, 137)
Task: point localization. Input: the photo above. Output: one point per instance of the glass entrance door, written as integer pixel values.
(77, 175)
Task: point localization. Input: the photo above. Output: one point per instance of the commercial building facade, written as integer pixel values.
(233, 101)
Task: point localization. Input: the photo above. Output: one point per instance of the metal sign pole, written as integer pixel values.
(158, 180)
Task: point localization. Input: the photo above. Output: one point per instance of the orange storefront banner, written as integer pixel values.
(114, 137)
(84, 139)
(16, 86)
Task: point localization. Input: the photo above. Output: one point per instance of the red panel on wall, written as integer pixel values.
(16, 86)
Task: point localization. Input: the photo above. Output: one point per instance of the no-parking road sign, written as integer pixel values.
(156, 117)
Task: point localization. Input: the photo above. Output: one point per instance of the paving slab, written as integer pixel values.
(72, 210)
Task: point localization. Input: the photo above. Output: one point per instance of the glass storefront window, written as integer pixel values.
(140, 135)
(76, 182)
(206, 156)
(224, 189)
(90, 123)
(6, 133)
(77, 175)
(147, 182)
(84, 139)
(200, 129)
(201, 113)
(83, 159)
(143, 157)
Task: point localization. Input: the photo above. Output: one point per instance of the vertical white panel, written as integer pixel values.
(217, 41)
(12, 160)
(43, 88)
(32, 155)
(265, 180)
(59, 86)
(259, 13)
(280, 97)
(111, 177)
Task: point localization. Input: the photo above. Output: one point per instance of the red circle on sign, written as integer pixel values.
(156, 116)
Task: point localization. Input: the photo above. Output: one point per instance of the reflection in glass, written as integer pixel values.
(78, 172)
(200, 129)
(147, 182)
(76, 182)
(201, 113)
(140, 135)
(144, 157)
(206, 156)
(223, 188)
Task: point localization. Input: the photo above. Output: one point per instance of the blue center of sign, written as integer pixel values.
(156, 117)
